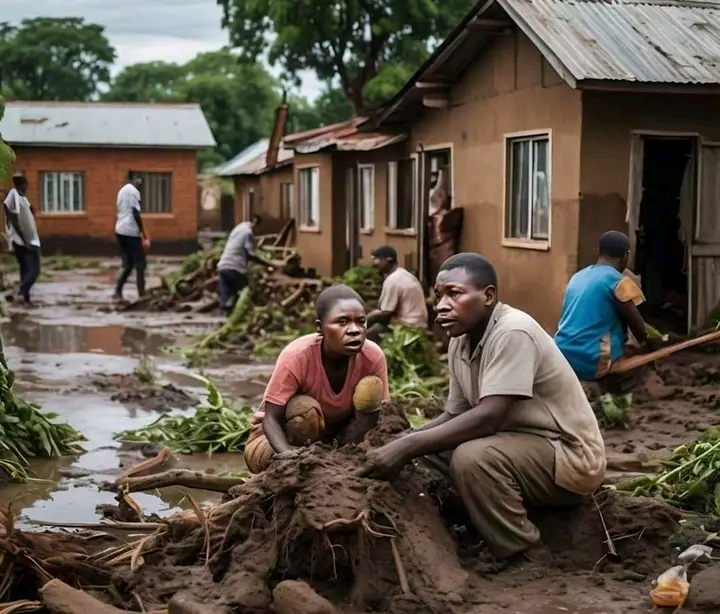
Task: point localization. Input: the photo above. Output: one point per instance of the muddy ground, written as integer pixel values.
(83, 364)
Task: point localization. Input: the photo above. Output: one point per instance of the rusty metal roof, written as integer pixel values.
(251, 161)
(626, 40)
(344, 136)
(588, 42)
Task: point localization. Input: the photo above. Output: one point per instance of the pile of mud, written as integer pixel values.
(363, 544)
(129, 390)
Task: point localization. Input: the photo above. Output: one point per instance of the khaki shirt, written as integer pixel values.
(402, 295)
(516, 357)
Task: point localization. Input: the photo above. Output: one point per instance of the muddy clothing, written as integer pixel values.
(557, 449)
(403, 296)
(591, 332)
(299, 370)
(497, 477)
(240, 247)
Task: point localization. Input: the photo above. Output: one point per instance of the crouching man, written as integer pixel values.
(517, 430)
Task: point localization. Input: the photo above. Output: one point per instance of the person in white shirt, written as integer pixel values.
(131, 236)
(22, 233)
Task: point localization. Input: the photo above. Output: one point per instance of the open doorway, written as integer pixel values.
(665, 229)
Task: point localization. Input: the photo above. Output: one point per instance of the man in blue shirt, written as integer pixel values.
(600, 304)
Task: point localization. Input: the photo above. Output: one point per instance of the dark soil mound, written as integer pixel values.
(128, 389)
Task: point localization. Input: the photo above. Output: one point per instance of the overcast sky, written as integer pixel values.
(143, 30)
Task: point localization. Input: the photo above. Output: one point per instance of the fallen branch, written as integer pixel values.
(157, 463)
(176, 477)
(628, 364)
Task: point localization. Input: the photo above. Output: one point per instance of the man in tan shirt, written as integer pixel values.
(517, 429)
(402, 299)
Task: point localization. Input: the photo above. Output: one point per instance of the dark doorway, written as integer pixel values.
(665, 228)
(227, 212)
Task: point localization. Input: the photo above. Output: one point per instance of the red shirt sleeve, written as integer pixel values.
(284, 383)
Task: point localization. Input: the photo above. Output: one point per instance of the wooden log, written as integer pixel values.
(624, 365)
(178, 477)
(59, 598)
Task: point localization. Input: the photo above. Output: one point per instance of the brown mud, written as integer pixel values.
(276, 528)
(370, 546)
(150, 396)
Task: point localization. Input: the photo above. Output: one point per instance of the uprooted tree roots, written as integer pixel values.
(372, 545)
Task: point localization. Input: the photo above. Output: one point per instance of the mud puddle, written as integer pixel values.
(62, 351)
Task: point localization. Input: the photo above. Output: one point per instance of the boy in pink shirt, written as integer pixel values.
(310, 393)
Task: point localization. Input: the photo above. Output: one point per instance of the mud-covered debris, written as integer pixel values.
(297, 597)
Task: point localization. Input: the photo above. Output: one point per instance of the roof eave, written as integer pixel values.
(604, 85)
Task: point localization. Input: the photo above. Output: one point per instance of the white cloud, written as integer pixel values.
(145, 30)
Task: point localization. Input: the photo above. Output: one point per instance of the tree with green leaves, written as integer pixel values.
(369, 47)
(7, 156)
(49, 58)
(237, 98)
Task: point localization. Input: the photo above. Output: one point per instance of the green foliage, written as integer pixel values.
(351, 40)
(415, 370)
(238, 98)
(47, 58)
(216, 426)
(365, 280)
(25, 432)
(612, 411)
(7, 155)
(689, 479)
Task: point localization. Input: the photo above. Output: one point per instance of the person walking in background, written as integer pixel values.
(402, 299)
(234, 262)
(24, 240)
(131, 236)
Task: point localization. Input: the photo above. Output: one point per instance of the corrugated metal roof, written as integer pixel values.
(251, 161)
(344, 136)
(105, 124)
(230, 168)
(624, 40)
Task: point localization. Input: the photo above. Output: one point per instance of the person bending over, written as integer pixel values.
(517, 430)
(321, 383)
(600, 304)
(233, 266)
(402, 299)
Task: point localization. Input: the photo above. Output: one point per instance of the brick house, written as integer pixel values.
(76, 157)
(557, 120)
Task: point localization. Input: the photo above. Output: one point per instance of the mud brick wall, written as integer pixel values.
(93, 230)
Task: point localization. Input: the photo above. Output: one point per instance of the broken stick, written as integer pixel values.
(176, 477)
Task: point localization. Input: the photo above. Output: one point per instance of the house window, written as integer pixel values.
(249, 203)
(309, 197)
(401, 194)
(366, 194)
(528, 201)
(287, 194)
(62, 192)
(155, 191)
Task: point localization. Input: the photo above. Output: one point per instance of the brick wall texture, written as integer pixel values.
(104, 171)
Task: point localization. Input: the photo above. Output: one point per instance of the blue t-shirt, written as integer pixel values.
(591, 330)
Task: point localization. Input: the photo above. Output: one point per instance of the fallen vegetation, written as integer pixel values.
(26, 432)
(216, 426)
(689, 479)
